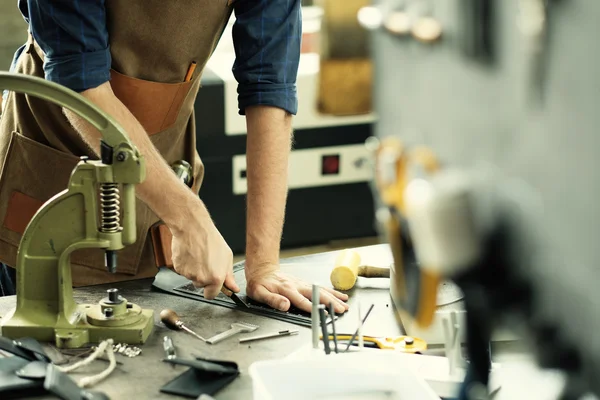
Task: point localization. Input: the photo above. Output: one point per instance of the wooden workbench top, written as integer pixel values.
(141, 377)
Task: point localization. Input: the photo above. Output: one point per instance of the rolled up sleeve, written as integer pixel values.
(74, 38)
(267, 39)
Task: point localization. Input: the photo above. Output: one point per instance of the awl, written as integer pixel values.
(172, 321)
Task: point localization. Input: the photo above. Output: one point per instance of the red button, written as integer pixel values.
(330, 164)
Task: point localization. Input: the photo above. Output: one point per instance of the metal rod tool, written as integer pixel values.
(286, 332)
(361, 342)
(359, 327)
(315, 316)
(323, 318)
(172, 321)
(332, 313)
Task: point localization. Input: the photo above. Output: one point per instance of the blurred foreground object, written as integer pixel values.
(501, 200)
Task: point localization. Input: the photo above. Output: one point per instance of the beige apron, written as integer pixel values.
(153, 43)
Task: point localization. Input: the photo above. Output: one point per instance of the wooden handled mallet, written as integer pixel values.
(348, 268)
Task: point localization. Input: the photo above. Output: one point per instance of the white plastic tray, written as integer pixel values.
(363, 375)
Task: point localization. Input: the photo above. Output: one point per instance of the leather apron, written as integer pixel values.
(152, 43)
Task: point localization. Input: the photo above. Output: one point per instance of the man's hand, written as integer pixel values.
(269, 285)
(268, 147)
(201, 254)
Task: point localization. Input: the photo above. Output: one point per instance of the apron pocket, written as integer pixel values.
(32, 174)
(155, 105)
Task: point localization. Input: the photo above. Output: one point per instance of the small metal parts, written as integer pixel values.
(169, 348)
(126, 350)
(113, 296)
(113, 299)
(184, 172)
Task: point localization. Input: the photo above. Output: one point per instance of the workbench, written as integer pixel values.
(142, 376)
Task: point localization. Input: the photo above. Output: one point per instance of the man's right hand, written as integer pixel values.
(199, 251)
(201, 254)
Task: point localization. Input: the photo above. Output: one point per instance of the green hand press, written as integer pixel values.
(97, 210)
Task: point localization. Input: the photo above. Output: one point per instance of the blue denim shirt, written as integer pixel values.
(267, 38)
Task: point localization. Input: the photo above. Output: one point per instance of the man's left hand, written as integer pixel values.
(279, 290)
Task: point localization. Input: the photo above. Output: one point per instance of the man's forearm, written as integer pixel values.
(267, 154)
(160, 179)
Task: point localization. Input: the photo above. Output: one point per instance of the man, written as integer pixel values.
(135, 60)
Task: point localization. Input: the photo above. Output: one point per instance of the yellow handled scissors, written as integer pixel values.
(406, 344)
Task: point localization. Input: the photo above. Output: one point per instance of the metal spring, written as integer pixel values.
(110, 207)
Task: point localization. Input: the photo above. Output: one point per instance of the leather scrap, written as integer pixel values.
(204, 377)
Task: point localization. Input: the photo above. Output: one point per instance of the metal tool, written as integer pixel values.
(97, 210)
(238, 327)
(406, 344)
(315, 316)
(233, 296)
(124, 349)
(169, 348)
(172, 321)
(184, 172)
(359, 327)
(332, 313)
(286, 332)
(323, 319)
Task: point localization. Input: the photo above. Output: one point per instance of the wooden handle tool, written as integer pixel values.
(172, 321)
(347, 269)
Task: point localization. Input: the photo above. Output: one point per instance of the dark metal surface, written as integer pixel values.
(142, 376)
